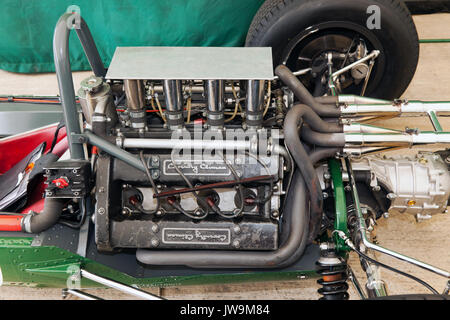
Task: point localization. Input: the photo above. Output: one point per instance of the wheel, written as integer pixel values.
(304, 33)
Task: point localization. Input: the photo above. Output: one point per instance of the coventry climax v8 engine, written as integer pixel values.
(213, 184)
(202, 157)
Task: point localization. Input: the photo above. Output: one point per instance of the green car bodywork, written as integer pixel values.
(23, 264)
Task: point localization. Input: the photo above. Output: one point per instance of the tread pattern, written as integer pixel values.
(271, 10)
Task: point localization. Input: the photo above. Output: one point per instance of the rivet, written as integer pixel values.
(155, 242)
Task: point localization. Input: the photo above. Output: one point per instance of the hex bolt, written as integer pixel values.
(155, 242)
(101, 211)
(237, 229)
(386, 215)
(275, 214)
(324, 246)
(376, 188)
(155, 228)
(327, 176)
(325, 195)
(236, 243)
(391, 196)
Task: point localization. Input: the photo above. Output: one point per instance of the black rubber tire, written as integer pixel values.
(279, 21)
(427, 6)
(415, 297)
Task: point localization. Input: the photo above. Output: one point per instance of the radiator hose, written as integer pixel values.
(38, 222)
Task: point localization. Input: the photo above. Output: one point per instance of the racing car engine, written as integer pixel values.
(212, 181)
(212, 165)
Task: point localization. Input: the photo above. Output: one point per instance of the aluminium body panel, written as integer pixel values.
(191, 63)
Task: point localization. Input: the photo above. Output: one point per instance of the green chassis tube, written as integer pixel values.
(340, 222)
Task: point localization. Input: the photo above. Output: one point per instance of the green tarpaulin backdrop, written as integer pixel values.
(26, 27)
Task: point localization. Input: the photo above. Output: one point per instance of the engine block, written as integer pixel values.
(238, 166)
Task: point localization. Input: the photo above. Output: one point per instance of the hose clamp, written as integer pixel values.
(253, 145)
(119, 141)
(26, 222)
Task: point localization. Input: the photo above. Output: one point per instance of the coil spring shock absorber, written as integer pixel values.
(333, 272)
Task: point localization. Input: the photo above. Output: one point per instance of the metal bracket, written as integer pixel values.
(78, 138)
(108, 283)
(84, 230)
(79, 294)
